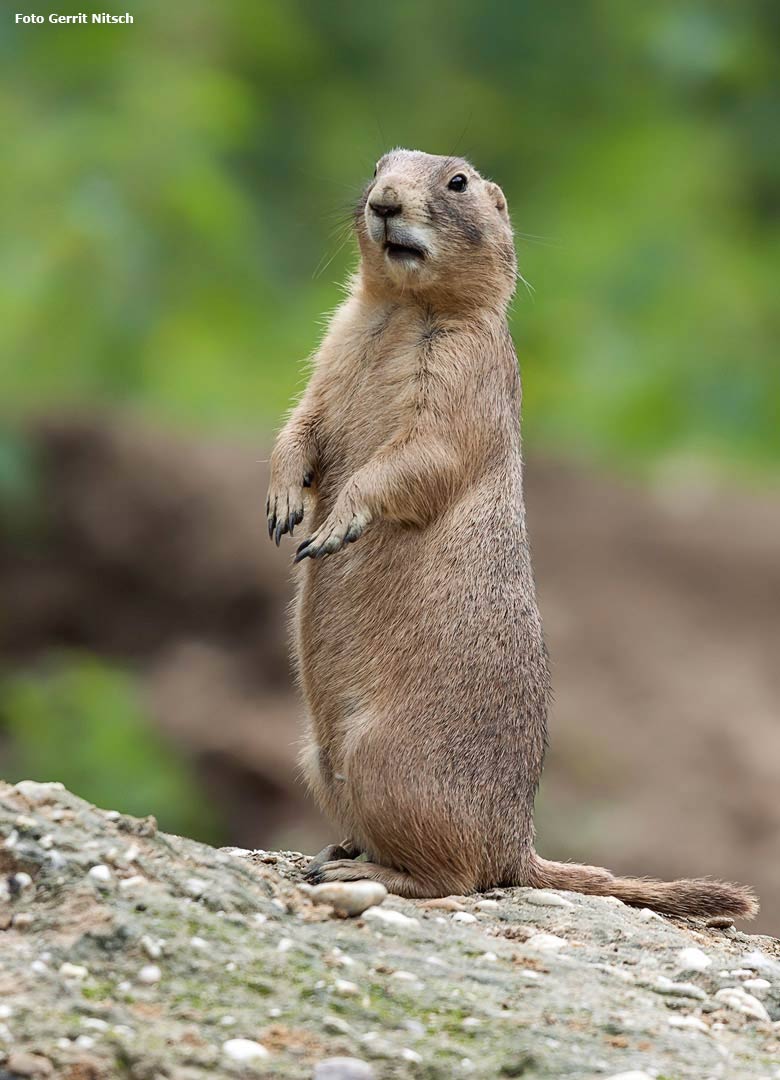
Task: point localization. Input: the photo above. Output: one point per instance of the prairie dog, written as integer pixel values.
(419, 643)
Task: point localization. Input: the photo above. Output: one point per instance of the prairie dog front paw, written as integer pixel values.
(284, 506)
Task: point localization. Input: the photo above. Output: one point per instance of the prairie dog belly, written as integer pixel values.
(437, 636)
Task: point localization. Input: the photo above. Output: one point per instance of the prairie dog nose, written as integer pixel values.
(385, 203)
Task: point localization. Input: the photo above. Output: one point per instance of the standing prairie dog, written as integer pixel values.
(419, 643)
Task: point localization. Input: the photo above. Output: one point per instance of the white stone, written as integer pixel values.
(244, 1050)
(343, 1068)
(648, 915)
(153, 947)
(199, 943)
(546, 942)
(73, 971)
(196, 887)
(758, 961)
(348, 898)
(543, 898)
(693, 959)
(149, 974)
(488, 905)
(346, 988)
(228, 1020)
(411, 1055)
(94, 1023)
(691, 1022)
(285, 944)
(389, 916)
(101, 874)
(663, 985)
(735, 997)
(464, 917)
(490, 957)
(756, 986)
(84, 1042)
(404, 976)
(134, 882)
(22, 881)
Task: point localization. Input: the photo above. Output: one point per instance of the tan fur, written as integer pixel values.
(419, 648)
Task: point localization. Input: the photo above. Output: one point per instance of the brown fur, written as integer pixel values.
(420, 649)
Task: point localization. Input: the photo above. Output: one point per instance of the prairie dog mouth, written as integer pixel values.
(399, 252)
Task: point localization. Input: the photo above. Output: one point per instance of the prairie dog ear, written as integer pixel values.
(498, 198)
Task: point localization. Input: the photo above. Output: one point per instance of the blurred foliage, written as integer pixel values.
(172, 188)
(80, 721)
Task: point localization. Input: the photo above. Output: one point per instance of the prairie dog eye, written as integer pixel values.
(459, 182)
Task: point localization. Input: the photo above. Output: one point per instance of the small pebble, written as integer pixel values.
(349, 898)
(543, 898)
(244, 1051)
(404, 976)
(490, 957)
(691, 1022)
(22, 920)
(693, 959)
(22, 1063)
(411, 1055)
(84, 1042)
(346, 988)
(719, 922)
(101, 874)
(134, 882)
(488, 905)
(196, 887)
(94, 1023)
(756, 986)
(648, 915)
(149, 974)
(198, 943)
(228, 1021)
(758, 961)
(343, 1068)
(735, 997)
(667, 986)
(20, 882)
(443, 903)
(73, 971)
(546, 942)
(389, 916)
(464, 917)
(153, 947)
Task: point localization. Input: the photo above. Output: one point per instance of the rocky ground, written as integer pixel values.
(130, 953)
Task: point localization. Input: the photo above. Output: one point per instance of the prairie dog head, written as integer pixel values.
(432, 226)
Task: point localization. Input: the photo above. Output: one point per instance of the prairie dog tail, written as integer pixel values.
(686, 897)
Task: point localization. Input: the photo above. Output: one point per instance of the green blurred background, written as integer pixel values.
(174, 199)
(172, 193)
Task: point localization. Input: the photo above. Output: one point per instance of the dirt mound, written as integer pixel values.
(131, 953)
